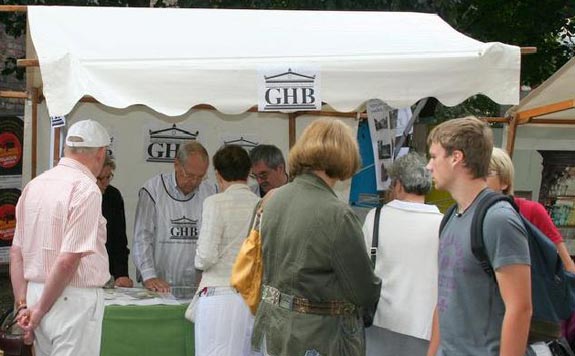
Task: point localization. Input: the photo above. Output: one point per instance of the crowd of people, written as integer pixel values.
(421, 293)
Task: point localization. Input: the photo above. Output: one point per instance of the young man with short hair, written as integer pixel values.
(476, 313)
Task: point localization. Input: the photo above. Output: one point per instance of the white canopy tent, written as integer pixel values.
(174, 59)
(551, 103)
(138, 66)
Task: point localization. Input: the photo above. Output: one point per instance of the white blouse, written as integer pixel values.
(226, 221)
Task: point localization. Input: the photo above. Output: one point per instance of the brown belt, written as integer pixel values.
(273, 296)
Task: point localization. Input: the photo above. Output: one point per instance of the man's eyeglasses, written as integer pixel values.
(191, 176)
(108, 178)
(260, 176)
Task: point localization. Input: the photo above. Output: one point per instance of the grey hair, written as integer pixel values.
(109, 162)
(80, 150)
(186, 149)
(411, 173)
(269, 154)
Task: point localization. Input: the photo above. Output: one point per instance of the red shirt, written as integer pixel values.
(538, 216)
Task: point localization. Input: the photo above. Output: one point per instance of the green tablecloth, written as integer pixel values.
(155, 330)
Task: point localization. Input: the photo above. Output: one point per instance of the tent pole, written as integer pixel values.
(34, 153)
(13, 8)
(409, 126)
(526, 116)
(56, 147)
(511, 135)
(292, 129)
(11, 94)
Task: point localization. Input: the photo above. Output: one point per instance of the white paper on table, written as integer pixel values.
(138, 296)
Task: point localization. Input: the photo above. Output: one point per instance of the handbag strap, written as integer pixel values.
(8, 319)
(256, 217)
(375, 236)
(254, 223)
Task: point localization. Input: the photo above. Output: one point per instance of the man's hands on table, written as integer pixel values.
(125, 282)
(157, 285)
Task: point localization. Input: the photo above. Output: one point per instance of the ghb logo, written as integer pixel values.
(164, 143)
(290, 91)
(184, 229)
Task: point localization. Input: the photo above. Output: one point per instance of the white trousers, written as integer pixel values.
(223, 326)
(73, 326)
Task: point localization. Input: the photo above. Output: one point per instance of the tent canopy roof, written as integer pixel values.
(173, 59)
(554, 99)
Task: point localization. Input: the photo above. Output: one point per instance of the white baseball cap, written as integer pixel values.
(87, 133)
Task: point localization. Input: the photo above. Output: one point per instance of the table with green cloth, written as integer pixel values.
(150, 330)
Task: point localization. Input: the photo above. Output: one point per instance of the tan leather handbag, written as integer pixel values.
(247, 271)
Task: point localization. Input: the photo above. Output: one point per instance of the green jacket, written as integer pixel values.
(313, 248)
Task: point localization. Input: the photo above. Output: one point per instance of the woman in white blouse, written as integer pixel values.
(223, 322)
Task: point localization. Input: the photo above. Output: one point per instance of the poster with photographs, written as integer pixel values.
(245, 140)
(385, 124)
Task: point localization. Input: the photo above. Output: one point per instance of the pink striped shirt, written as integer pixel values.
(60, 211)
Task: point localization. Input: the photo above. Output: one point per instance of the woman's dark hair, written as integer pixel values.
(232, 163)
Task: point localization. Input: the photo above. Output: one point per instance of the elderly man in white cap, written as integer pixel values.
(58, 259)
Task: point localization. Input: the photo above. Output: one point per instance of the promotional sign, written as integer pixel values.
(289, 89)
(8, 200)
(11, 139)
(385, 124)
(162, 143)
(57, 121)
(382, 128)
(246, 141)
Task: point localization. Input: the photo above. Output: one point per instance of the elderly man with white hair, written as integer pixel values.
(406, 262)
(58, 259)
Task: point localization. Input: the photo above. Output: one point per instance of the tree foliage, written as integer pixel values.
(548, 25)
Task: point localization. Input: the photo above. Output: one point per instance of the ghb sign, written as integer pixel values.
(162, 151)
(163, 144)
(286, 97)
(289, 90)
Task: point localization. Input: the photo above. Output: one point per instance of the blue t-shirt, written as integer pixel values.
(469, 303)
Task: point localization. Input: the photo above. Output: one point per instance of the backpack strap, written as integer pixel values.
(446, 217)
(477, 242)
(375, 235)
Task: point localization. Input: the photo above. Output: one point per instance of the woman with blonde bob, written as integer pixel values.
(500, 179)
(317, 275)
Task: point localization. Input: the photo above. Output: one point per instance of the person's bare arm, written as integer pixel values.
(17, 275)
(515, 286)
(434, 342)
(565, 257)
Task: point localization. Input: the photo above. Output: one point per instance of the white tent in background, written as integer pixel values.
(551, 103)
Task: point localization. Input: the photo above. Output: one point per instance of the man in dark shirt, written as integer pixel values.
(113, 211)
